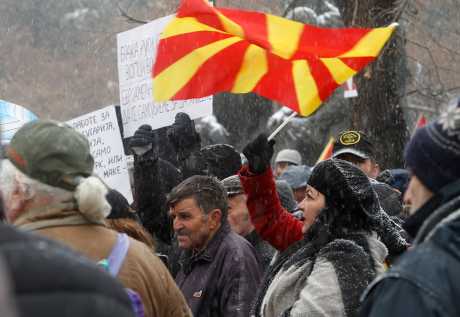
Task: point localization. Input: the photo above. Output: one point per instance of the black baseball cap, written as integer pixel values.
(353, 142)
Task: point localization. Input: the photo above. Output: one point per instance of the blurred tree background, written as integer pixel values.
(58, 58)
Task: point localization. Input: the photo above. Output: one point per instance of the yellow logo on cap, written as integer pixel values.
(350, 138)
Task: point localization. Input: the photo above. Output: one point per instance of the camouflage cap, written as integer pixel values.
(52, 153)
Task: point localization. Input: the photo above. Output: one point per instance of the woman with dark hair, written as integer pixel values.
(124, 219)
(327, 260)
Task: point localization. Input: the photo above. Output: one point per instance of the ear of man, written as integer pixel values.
(215, 218)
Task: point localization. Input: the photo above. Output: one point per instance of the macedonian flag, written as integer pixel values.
(206, 50)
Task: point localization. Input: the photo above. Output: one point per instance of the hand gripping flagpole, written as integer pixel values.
(282, 125)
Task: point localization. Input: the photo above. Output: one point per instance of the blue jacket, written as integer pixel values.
(426, 280)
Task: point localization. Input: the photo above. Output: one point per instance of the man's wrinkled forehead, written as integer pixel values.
(187, 204)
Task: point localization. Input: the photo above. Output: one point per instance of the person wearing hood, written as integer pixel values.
(424, 282)
(327, 260)
(48, 188)
(296, 177)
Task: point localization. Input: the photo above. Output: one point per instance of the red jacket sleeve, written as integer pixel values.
(271, 221)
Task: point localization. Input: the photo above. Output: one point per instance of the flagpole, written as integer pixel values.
(282, 125)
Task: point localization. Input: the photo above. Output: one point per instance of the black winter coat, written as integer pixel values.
(221, 280)
(52, 281)
(426, 280)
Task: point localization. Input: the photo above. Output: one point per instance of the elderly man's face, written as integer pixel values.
(416, 194)
(192, 226)
(238, 215)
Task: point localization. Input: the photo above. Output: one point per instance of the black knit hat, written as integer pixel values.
(348, 190)
(120, 206)
(222, 160)
(433, 153)
(345, 186)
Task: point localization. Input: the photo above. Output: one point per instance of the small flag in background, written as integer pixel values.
(206, 50)
(421, 122)
(327, 152)
(351, 91)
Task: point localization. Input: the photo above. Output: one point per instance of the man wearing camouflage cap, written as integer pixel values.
(48, 188)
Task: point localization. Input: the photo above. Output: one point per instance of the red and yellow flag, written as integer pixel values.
(421, 122)
(327, 151)
(206, 50)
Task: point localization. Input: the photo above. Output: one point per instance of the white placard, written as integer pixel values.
(101, 129)
(136, 53)
(351, 91)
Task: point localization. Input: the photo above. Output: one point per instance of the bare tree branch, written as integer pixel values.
(129, 18)
(401, 10)
(436, 68)
(427, 109)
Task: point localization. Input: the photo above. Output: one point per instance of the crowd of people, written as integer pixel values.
(214, 232)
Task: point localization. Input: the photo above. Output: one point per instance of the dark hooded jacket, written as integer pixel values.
(221, 280)
(425, 280)
(50, 280)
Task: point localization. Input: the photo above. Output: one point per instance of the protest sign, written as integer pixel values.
(103, 133)
(136, 53)
(12, 117)
(351, 91)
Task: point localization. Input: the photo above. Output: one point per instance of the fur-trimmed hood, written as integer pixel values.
(314, 277)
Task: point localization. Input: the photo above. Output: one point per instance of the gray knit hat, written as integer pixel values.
(290, 156)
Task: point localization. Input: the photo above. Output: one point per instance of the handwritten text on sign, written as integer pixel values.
(136, 53)
(101, 129)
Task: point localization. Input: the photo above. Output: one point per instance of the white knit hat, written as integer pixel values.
(290, 156)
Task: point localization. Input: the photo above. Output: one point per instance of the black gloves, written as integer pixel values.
(259, 153)
(143, 143)
(183, 136)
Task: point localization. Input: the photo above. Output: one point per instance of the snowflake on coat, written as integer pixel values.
(450, 120)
